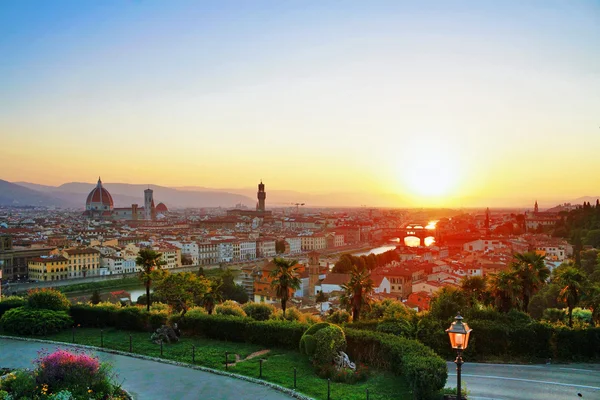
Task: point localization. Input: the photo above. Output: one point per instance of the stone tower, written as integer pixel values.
(262, 195)
(535, 207)
(148, 204)
(313, 273)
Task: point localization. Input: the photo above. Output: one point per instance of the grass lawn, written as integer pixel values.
(278, 366)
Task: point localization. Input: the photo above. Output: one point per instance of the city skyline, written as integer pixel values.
(438, 105)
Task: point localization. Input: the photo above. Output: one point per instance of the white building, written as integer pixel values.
(266, 248)
(313, 242)
(295, 244)
(208, 253)
(226, 251)
(247, 250)
(483, 245)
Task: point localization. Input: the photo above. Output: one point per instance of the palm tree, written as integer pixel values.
(285, 279)
(506, 290)
(572, 282)
(532, 273)
(357, 292)
(475, 288)
(212, 297)
(148, 260)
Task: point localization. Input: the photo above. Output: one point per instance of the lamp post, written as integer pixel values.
(459, 340)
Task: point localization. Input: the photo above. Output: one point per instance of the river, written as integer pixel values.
(376, 250)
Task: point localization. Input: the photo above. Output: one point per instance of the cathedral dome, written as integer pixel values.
(161, 208)
(99, 199)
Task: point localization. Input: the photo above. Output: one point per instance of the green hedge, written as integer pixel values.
(130, 318)
(31, 322)
(10, 302)
(515, 338)
(276, 333)
(425, 371)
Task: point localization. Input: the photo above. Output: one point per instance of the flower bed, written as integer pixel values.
(63, 375)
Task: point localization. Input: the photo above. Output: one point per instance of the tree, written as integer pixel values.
(321, 298)
(212, 296)
(186, 259)
(285, 279)
(505, 289)
(182, 290)
(230, 290)
(148, 260)
(532, 273)
(95, 299)
(357, 292)
(280, 246)
(474, 288)
(591, 300)
(572, 282)
(446, 303)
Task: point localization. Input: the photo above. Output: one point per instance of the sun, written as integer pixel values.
(429, 169)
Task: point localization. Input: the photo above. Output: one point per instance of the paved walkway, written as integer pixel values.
(151, 380)
(532, 382)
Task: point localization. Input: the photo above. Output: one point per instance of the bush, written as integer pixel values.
(345, 375)
(48, 299)
(424, 370)
(339, 317)
(108, 314)
(308, 344)
(31, 322)
(329, 341)
(63, 375)
(11, 302)
(399, 327)
(258, 311)
(271, 333)
(554, 315)
(230, 308)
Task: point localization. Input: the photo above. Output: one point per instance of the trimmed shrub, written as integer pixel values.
(339, 317)
(284, 334)
(230, 308)
(274, 333)
(11, 302)
(48, 299)
(31, 322)
(308, 344)
(364, 325)
(107, 314)
(399, 327)
(329, 341)
(258, 311)
(425, 371)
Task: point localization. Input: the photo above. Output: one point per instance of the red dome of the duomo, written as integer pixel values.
(99, 199)
(161, 208)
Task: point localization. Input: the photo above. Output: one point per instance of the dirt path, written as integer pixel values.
(238, 359)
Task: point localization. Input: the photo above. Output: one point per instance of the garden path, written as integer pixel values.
(146, 379)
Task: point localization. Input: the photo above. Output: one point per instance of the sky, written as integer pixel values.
(433, 103)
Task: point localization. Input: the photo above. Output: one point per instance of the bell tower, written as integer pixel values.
(262, 196)
(535, 207)
(313, 273)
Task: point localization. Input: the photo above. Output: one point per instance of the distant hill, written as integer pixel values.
(17, 195)
(125, 194)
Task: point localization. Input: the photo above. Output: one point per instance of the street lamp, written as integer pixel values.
(459, 340)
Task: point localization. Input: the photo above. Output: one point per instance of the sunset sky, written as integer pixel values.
(441, 103)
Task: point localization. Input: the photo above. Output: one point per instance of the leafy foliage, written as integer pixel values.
(258, 311)
(285, 279)
(230, 308)
(34, 322)
(329, 341)
(148, 260)
(357, 292)
(182, 290)
(6, 303)
(48, 299)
